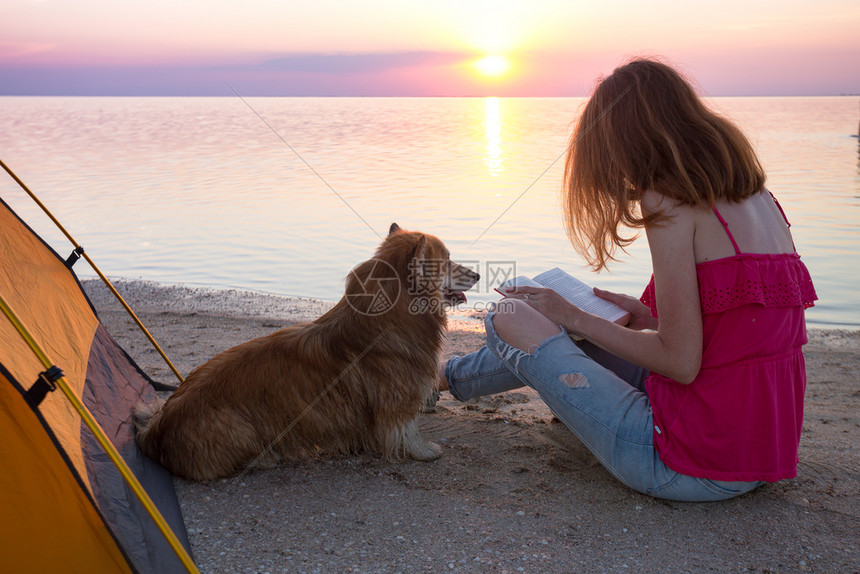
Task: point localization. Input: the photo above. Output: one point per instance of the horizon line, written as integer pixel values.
(323, 95)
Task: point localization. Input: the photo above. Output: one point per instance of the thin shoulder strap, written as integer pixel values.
(729, 233)
(787, 222)
(776, 201)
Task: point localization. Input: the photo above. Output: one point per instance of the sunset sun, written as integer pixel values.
(493, 66)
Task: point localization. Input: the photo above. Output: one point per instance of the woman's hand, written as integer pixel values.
(640, 314)
(548, 303)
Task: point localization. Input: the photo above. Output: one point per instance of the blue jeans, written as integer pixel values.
(599, 397)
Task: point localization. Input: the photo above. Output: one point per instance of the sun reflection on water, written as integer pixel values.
(163, 205)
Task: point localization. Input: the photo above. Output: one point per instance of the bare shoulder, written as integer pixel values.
(654, 202)
(674, 214)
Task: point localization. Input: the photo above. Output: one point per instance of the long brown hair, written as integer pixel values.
(644, 128)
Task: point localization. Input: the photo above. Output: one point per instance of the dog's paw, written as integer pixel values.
(405, 442)
(426, 451)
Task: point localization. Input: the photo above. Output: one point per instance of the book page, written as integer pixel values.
(579, 294)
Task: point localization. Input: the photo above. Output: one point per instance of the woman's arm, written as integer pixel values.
(675, 348)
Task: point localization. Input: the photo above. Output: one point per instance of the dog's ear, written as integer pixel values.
(416, 268)
(420, 251)
(416, 264)
(393, 229)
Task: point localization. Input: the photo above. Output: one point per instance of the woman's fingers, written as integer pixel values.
(522, 292)
(609, 295)
(622, 301)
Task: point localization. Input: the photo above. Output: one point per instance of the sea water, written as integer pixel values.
(286, 195)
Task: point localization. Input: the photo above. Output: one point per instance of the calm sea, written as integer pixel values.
(285, 195)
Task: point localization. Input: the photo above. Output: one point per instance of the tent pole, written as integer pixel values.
(105, 443)
(96, 269)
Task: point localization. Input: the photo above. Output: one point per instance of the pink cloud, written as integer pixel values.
(764, 71)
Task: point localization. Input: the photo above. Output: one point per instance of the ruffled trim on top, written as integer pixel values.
(770, 280)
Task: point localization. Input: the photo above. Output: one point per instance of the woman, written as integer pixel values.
(700, 396)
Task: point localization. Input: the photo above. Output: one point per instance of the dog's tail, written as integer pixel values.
(143, 412)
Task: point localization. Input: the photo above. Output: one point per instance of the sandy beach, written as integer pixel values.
(514, 491)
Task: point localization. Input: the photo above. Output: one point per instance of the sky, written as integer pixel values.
(427, 48)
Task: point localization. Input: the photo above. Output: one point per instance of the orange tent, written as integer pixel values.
(65, 506)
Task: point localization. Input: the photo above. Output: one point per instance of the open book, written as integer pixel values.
(574, 291)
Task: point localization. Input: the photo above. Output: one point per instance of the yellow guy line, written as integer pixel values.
(105, 443)
(96, 269)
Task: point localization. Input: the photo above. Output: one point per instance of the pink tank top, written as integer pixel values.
(740, 419)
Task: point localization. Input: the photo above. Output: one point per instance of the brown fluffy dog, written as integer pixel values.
(352, 380)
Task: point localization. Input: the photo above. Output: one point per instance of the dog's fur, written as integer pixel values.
(353, 380)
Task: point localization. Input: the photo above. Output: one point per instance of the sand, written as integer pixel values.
(514, 491)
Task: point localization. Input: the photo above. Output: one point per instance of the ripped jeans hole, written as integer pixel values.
(574, 380)
(511, 355)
